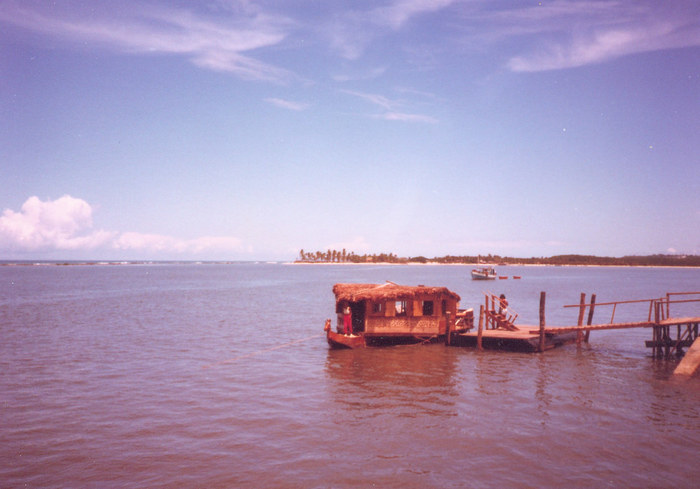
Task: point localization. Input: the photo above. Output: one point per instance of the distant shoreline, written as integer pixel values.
(491, 260)
(485, 265)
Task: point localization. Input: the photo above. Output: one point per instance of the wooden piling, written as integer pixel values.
(581, 313)
(486, 308)
(448, 327)
(658, 331)
(542, 299)
(590, 318)
(481, 328)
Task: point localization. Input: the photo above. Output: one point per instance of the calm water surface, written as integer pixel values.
(219, 376)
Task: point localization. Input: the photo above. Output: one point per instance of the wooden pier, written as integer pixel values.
(670, 335)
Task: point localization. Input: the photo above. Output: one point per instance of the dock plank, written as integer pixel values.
(526, 338)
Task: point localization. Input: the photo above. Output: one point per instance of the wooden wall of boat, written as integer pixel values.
(421, 325)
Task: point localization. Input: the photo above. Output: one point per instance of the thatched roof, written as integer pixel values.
(387, 291)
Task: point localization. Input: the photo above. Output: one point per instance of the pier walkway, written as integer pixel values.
(497, 329)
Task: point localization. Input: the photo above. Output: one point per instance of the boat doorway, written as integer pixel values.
(358, 316)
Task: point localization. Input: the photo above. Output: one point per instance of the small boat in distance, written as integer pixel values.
(484, 273)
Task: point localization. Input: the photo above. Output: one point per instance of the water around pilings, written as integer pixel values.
(175, 375)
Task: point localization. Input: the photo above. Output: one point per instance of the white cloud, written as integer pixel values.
(65, 224)
(62, 224)
(287, 104)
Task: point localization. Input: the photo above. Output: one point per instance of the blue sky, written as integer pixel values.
(238, 130)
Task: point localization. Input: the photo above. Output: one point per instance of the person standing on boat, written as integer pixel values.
(347, 320)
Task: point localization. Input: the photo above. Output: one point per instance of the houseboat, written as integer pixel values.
(485, 273)
(381, 314)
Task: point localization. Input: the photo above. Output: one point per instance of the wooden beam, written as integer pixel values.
(691, 360)
(481, 328)
(542, 299)
(581, 313)
(590, 318)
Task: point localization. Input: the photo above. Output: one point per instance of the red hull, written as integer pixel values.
(337, 340)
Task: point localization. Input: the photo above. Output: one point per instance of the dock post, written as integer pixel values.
(486, 307)
(581, 313)
(448, 328)
(590, 318)
(656, 350)
(481, 328)
(542, 299)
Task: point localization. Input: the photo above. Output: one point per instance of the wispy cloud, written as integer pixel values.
(399, 12)
(565, 34)
(376, 99)
(230, 36)
(352, 31)
(287, 104)
(222, 44)
(65, 224)
(365, 75)
(390, 108)
(538, 36)
(398, 116)
(603, 45)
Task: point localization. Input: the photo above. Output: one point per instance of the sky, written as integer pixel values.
(249, 130)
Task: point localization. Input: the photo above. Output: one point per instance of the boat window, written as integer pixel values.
(400, 308)
(444, 307)
(377, 308)
(428, 307)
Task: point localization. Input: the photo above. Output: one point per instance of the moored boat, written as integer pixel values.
(484, 273)
(374, 314)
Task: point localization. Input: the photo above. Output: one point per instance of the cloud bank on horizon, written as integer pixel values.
(65, 224)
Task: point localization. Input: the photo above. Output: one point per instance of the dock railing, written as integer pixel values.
(663, 302)
(659, 317)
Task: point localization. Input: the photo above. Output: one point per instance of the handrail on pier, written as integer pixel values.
(663, 301)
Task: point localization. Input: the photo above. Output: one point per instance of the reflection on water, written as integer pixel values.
(406, 381)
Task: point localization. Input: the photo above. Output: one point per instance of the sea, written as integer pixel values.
(204, 375)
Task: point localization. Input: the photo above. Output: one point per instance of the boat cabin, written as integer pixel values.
(394, 311)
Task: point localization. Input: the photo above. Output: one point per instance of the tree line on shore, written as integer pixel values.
(343, 256)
